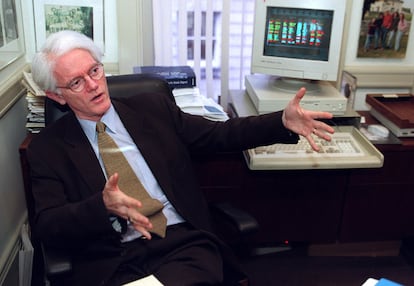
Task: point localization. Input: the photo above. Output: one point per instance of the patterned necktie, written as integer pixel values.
(115, 161)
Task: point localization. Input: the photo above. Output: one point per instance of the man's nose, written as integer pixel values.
(91, 84)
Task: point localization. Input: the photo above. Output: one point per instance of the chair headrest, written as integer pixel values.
(118, 86)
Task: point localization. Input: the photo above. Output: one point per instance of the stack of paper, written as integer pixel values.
(35, 102)
(191, 101)
(213, 110)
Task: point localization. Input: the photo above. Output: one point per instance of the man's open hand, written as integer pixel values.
(304, 122)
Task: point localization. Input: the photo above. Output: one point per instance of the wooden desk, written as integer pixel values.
(320, 206)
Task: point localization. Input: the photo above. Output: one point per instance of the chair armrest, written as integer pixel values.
(239, 220)
(56, 262)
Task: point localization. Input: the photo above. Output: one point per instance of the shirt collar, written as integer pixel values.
(109, 118)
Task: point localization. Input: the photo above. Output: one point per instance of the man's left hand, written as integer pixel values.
(304, 122)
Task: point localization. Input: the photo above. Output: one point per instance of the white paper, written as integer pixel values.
(146, 281)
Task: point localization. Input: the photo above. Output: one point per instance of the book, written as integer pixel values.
(380, 282)
(176, 76)
(387, 282)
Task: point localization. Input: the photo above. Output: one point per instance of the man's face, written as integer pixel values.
(93, 100)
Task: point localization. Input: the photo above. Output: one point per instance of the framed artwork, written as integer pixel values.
(8, 22)
(385, 27)
(11, 39)
(82, 16)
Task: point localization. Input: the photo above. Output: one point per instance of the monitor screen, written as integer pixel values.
(298, 39)
(298, 33)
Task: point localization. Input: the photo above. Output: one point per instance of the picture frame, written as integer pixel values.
(384, 31)
(11, 36)
(8, 22)
(83, 16)
(383, 64)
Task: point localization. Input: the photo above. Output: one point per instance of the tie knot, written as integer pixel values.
(100, 127)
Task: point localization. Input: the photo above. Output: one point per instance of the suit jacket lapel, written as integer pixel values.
(82, 155)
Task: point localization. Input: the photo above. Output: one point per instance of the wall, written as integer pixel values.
(12, 201)
(135, 32)
(12, 127)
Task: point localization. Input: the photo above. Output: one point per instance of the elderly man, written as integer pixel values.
(83, 207)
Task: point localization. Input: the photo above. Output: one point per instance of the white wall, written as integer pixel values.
(12, 199)
(135, 34)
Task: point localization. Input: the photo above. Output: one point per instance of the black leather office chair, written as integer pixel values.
(58, 264)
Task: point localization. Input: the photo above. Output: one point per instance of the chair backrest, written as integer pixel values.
(119, 86)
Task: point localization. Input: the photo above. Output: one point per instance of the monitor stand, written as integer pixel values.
(269, 94)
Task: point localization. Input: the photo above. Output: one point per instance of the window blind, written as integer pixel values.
(212, 36)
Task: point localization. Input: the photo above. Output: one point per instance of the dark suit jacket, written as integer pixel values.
(67, 179)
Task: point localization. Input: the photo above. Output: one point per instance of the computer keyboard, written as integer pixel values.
(347, 149)
(341, 145)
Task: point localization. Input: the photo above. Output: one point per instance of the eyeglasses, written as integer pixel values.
(78, 84)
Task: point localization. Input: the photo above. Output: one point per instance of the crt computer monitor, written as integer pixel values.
(298, 40)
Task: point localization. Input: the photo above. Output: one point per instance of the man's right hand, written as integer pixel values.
(122, 205)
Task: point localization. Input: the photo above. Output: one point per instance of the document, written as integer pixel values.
(146, 281)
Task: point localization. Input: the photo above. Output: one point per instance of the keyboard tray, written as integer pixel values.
(370, 158)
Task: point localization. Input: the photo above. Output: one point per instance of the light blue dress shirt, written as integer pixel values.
(117, 131)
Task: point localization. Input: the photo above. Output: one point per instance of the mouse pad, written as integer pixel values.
(391, 139)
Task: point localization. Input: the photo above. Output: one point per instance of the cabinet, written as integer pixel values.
(319, 206)
(378, 202)
(296, 205)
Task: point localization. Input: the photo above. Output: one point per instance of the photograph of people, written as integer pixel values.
(385, 27)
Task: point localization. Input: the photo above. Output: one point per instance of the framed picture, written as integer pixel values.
(82, 16)
(11, 39)
(381, 66)
(9, 19)
(385, 27)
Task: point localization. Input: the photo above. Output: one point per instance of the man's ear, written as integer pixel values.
(56, 97)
